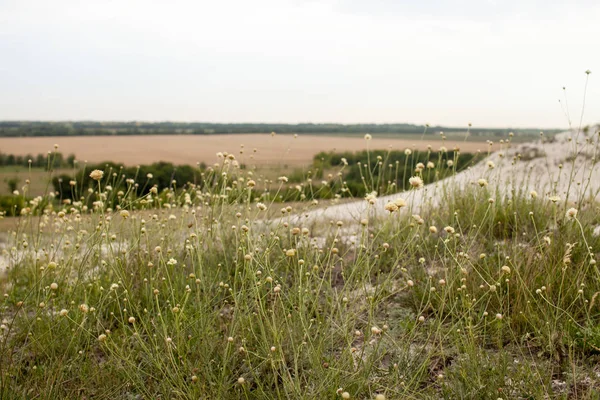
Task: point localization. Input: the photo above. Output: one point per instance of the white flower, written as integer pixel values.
(482, 182)
(571, 213)
(416, 182)
(400, 202)
(391, 207)
(371, 198)
(96, 174)
(368, 137)
(449, 229)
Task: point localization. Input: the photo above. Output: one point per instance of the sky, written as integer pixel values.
(491, 63)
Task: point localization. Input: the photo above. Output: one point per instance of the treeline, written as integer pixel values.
(42, 160)
(91, 128)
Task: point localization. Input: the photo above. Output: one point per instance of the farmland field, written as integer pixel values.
(278, 150)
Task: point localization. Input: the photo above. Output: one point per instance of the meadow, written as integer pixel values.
(216, 290)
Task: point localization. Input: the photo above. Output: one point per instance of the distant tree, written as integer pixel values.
(13, 183)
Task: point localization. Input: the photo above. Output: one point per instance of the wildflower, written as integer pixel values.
(419, 167)
(52, 265)
(84, 308)
(368, 137)
(124, 214)
(96, 174)
(391, 207)
(482, 182)
(416, 182)
(54, 286)
(102, 338)
(450, 163)
(533, 194)
(290, 252)
(491, 165)
(410, 283)
(250, 183)
(261, 206)
(72, 182)
(283, 179)
(149, 176)
(571, 213)
(400, 202)
(554, 199)
(131, 320)
(63, 312)
(408, 152)
(430, 165)
(421, 319)
(499, 316)
(371, 198)
(172, 262)
(433, 229)
(241, 380)
(505, 269)
(449, 229)
(418, 219)
(345, 395)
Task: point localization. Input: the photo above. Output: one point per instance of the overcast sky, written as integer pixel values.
(492, 63)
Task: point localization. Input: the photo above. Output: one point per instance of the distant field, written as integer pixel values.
(279, 150)
(39, 178)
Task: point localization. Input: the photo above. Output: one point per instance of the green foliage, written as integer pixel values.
(389, 172)
(11, 205)
(161, 174)
(12, 184)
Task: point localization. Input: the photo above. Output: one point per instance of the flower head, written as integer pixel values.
(391, 207)
(416, 182)
(96, 174)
